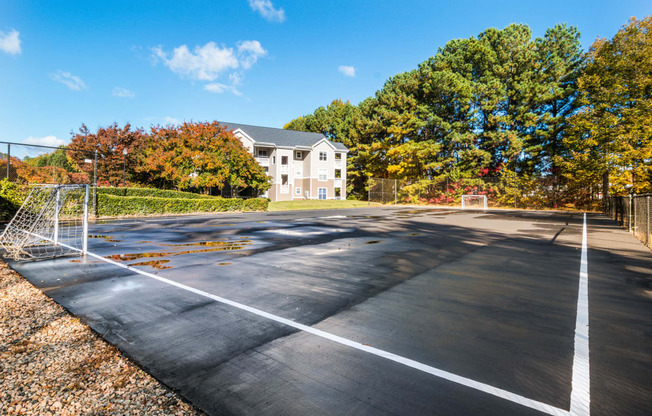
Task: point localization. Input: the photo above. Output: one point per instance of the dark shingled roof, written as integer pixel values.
(280, 137)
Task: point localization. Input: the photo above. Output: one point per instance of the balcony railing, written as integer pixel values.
(285, 189)
(284, 169)
(262, 161)
(337, 183)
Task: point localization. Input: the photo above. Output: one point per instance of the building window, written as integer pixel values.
(322, 156)
(284, 160)
(338, 173)
(323, 175)
(338, 156)
(262, 152)
(338, 192)
(298, 155)
(297, 171)
(266, 169)
(297, 190)
(274, 159)
(322, 193)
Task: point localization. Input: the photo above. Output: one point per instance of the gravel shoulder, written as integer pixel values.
(53, 364)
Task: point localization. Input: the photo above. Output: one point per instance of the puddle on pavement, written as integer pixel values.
(85, 261)
(108, 238)
(373, 242)
(210, 225)
(156, 264)
(216, 246)
(227, 245)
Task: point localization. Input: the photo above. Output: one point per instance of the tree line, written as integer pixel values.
(503, 103)
(191, 156)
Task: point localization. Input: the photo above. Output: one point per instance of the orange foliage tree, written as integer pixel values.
(110, 142)
(199, 155)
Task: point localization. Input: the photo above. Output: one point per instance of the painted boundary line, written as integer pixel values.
(580, 393)
(580, 403)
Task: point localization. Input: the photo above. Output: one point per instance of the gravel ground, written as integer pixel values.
(52, 364)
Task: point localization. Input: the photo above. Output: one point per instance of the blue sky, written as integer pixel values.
(64, 63)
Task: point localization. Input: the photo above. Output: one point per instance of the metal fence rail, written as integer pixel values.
(633, 213)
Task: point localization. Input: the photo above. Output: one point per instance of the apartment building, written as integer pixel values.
(302, 165)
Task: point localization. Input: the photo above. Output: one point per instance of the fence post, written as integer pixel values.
(95, 209)
(369, 191)
(515, 190)
(382, 191)
(395, 190)
(647, 208)
(447, 197)
(85, 223)
(8, 160)
(629, 219)
(419, 188)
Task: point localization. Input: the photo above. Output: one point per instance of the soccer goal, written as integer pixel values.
(474, 202)
(52, 222)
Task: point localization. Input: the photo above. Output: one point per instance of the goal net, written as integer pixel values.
(474, 202)
(52, 222)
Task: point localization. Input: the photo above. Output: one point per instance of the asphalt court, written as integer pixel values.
(372, 311)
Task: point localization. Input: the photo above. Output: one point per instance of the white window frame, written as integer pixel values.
(323, 156)
(298, 155)
(319, 175)
(297, 190)
(325, 193)
(338, 156)
(335, 174)
(262, 153)
(274, 160)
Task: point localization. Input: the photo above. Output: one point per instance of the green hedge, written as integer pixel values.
(112, 205)
(151, 192)
(12, 196)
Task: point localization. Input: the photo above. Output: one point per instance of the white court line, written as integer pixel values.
(580, 403)
(486, 388)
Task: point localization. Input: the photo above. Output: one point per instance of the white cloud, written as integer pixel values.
(45, 141)
(249, 51)
(205, 63)
(218, 88)
(266, 9)
(10, 42)
(71, 81)
(122, 92)
(348, 71)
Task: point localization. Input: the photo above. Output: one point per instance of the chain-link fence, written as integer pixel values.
(633, 213)
(505, 191)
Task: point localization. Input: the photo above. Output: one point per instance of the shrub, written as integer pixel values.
(11, 198)
(150, 192)
(112, 205)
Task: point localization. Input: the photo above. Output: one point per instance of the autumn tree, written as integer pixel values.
(199, 155)
(613, 131)
(110, 143)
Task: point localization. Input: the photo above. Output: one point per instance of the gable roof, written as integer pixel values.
(281, 137)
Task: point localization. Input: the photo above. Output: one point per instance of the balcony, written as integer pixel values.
(262, 160)
(285, 189)
(285, 169)
(337, 183)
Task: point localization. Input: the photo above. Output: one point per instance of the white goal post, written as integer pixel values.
(52, 222)
(474, 202)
